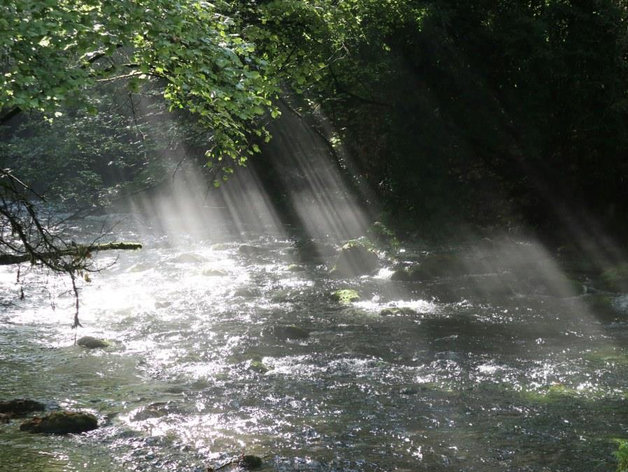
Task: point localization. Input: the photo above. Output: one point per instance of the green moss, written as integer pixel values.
(345, 296)
(616, 278)
(258, 366)
(296, 268)
(608, 356)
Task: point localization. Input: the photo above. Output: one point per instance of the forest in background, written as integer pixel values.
(491, 114)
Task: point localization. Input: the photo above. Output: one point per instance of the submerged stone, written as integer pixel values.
(286, 332)
(246, 292)
(251, 250)
(355, 259)
(155, 410)
(90, 342)
(345, 296)
(20, 407)
(258, 366)
(401, 275)
(61, 422)
(250, 462)
(398, 311)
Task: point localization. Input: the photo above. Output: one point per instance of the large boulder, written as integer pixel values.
(355, 259)
(61, 422)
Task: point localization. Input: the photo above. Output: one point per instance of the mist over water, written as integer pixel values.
(512, 364)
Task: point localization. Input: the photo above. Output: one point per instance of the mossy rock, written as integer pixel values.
(286, 332)
(258, 366)
(61, 422)
(355, 259)
(345, 296)
(402, 311)
(90, 342)
(616, 278)
(20, 407)
(383, 235)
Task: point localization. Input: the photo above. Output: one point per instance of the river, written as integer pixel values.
(476, 378)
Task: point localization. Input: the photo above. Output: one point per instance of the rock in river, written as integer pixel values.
(19, 407)
(61, 422)
(250, 462)
(89, 342)
(355, 259)
(286, 332)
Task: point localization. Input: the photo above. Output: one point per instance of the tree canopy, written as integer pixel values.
(52, 51)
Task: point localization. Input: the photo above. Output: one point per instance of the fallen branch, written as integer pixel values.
(75, 251)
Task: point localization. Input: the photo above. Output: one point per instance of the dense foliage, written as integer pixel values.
(483, 111)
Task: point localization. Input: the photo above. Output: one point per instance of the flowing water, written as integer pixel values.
(478, 377)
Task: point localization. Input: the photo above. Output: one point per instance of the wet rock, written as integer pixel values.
(402, 311)
(89, 342)
(20, 407)
(286, 332)
(355, 259)
(258, 366)
(250, 462)
(61, 422)
(401, 275)
(345, 296)
(246, 292)
(155, 410)
(188, 259)
(616, 278)
(306, 251)
(251, 250)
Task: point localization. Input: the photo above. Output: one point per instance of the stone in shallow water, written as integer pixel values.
(251, 250)
(398, 311)
(20, 407)
(90, 342)
(286, 332)
(250, 462)
(355, 259)
(345, 296)
(61, 422)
